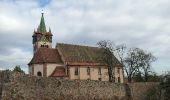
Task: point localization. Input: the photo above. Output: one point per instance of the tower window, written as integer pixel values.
(46, 46)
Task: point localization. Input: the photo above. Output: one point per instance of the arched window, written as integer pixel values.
(118, 79)
(99, 71)
(76, 72)
(88, 71)
(39, 73)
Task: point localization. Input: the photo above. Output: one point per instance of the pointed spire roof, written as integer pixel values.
(42, 27)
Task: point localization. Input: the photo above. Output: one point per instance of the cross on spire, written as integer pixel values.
(42, 24)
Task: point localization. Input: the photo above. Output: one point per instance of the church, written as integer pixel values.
(67, 61)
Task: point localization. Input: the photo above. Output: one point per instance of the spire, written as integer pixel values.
(42, 26)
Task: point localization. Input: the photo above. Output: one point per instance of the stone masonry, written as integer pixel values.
(43, 88)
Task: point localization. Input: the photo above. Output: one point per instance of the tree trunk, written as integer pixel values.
(110, 74)
(129, 79)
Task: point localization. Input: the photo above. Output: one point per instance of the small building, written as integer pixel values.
(68, 61)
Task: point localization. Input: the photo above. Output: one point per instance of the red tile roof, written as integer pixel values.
(71, 54)
(46, 55)
(58, 72)
(78, 53)
(81, 54)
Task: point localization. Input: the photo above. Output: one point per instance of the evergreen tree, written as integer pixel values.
(18, 69)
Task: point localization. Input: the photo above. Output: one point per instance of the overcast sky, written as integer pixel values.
(136, 23)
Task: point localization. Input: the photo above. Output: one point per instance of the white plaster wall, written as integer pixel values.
(37, 68)
(94, 74)
(72, 75)
(104, 76)
(83, 73)
(51, 68)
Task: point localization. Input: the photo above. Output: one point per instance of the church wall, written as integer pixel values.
(51, 68)
(93, 73)
(37, 68)
(104, 74)
(83, 73)
(72, 73)
(118, 73)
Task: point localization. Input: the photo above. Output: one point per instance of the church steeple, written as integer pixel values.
(42, 27)
(42, 38)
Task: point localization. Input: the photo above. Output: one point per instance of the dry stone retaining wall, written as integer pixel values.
(34, 88)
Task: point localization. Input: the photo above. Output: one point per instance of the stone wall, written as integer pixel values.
(51, 89)
(34, 88)
(140, 91)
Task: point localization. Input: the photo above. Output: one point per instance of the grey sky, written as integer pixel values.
(137, 23)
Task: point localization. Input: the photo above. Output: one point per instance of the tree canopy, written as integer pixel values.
(136, 62)
(18, 69)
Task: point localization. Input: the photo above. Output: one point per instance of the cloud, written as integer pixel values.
(143, 24)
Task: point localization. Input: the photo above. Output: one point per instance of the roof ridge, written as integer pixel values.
(77, 45)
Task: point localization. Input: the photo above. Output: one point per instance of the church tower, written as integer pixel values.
(42, 38)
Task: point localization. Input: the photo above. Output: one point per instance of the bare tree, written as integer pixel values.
(137, 62)
(131, 63)
(145, 63)
(121, 51)
(107, 56)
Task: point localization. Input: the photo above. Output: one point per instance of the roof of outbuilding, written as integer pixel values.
(46, 55)
(58, 72)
